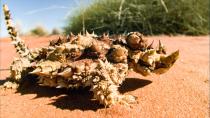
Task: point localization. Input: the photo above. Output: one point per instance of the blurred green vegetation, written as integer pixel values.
(151, 17)
(39, 31)
(55, 31)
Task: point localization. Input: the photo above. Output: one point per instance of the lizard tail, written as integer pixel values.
(19, 44)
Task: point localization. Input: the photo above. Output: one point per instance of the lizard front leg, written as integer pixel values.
(107, 94)
(106, 81)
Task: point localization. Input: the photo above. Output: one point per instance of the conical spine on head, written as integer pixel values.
(19, 44)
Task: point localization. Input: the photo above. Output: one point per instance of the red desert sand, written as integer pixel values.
(182, 92)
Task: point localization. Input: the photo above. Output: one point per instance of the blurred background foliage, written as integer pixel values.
(151, 17)
(38, 31)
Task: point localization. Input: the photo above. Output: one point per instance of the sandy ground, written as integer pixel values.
(182, 92)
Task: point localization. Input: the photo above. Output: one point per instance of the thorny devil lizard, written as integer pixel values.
(100, 62)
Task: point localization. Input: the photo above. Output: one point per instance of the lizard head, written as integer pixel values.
(145, 59)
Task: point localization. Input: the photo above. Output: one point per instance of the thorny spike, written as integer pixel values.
(104, 35)
(161, 48)
(93, 34)
(66, 73)
(160, 44)
(151, 45)
(59, 40)
(70, 37)
(67, 38)
(87, 33)
(37, 70)
(107, 35)
(71, 34)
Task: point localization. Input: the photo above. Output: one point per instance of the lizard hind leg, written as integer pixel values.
(18, 70)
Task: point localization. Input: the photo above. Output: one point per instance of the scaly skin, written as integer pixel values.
(89, 60)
